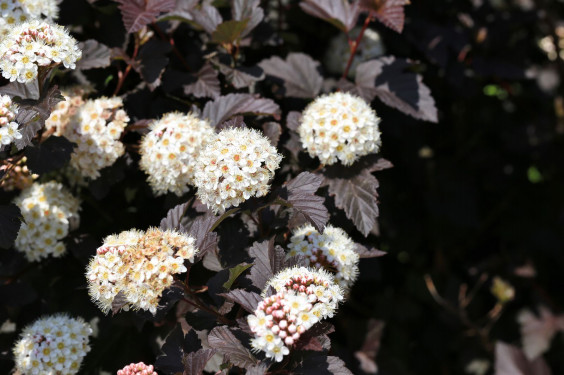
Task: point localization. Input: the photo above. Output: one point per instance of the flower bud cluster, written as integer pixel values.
(17, 11)
(52, 345)
(169, 151)
(339, 126)
(35, 44)
(138, 264)
(96, 128)
(48, 211)
(333, 251)
(236, 164)
(8, 127)
(18, 177)
(303, 297)
(65, 109)
(137, 369)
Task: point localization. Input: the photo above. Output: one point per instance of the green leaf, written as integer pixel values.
(234, 273)
(229, 31)
(534, 175)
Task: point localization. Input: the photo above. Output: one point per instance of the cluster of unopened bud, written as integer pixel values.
(137, 369)
(18, 177)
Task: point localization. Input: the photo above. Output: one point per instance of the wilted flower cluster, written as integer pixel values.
(338, 52)
(8, 127)
(303, 297)
(52, 345)
(65, 109)
(16, 11)
(169, 151)
(96, 129)
(137, 369)
(235, 165)
(35, 44)
(339, 126)
(333, 251)
(48, 210)
(17, 178)
(138, 264)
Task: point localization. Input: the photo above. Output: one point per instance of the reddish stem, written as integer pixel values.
(123, 76)
(354, 45)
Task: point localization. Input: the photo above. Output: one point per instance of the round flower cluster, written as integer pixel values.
(138, 264)
(49, 212)
(96, 128)
(169, 151)
(303, 297)
(137, 369)
(333, 251)
(52, 345)
(16, 11)
(338, 53)
(35, 44)
(65, 109)
(235, 165)
(18, 177)
(339, 126)
(8, 127)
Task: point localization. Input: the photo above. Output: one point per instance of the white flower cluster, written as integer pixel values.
(8, 127)
(303, 297)
(138, 264)
(16, 11)
(35, 44)
(52, 345)
(137, 369)
(169, 151)
(338, 53)
(17, 178)
(339, 126)
(333, 251)
(65, 109)
(235, 165)
(48, 211)
(96, 128)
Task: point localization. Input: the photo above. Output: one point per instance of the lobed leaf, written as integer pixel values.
(138, 13)
(272, 130)
(299, 73)
(306, 206)
(206, 84)
(229, 105)
(247, 300)
(153, 61)
(267, 259)
(510, 360)
(367, 353)
(207, 16)
(340, 13)
(94, 55)
(234, 273)
(249, 10)
(390, 12)
(174, 217)
(200, 229)
(194, 363)
(52, 154)
(224, 341)
(170, 361)
(229, 31)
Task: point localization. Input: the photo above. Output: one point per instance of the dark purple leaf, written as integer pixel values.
(363, 252)
(272, 130)
(10, 224)
(109, 176)
(229, 105)
(233, 122)
(207, 16)
(206, 85)
(510, 360)
(268, 260)
(367, 353)
(211, 261)
(241, 76)
(194, 363)
(247, 300)
(170, 361)
(229, 31)
(139, 13)
(21, 90)
(304, 183)
(201, 320)
(119, 302)
(293, 120)
(336, 366)
(390, 80)
(390, 12)
(299, 73)
(173, 217)
(200, 230)
(225, 342)
(52, 154)
(94, 55)
(247, 9)
(153, 61)
(340, 13)
(306, 206)
(259, 369)
(313, 338)
(320, 364)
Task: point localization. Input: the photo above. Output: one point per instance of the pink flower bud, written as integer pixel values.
(289, 341)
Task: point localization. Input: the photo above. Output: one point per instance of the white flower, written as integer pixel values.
(47, 210)
(8, 128)
(137, 369)
(52, 345)
(138, 264)
(339, 126)
(333, 251)
(169, 151)
(35, 44)
(235, 165)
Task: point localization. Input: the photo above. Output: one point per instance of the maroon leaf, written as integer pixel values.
(233, 122)
(340, 13)
(225, 342)
(268, 260)
(170, 360)
(272, 130)
(367, 353)
(174, 217)
(94, 55)
(315, 337)
(153, 61)
(47, 156)
(390, 12)
(229, 105)
(293, 120)
(510, 360)
(195, 362)
(247, 300)
(200, 230)
(22, 90)
(304, 183)
(9, 225)
(299, 73)
(363, 252)
(307, 207)
(390, 80)
(138, 13)
(259, 369)
(119, 302)
(239, 76)
(207, 16)
(336, 366)
(247, 9)
(206, 85)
